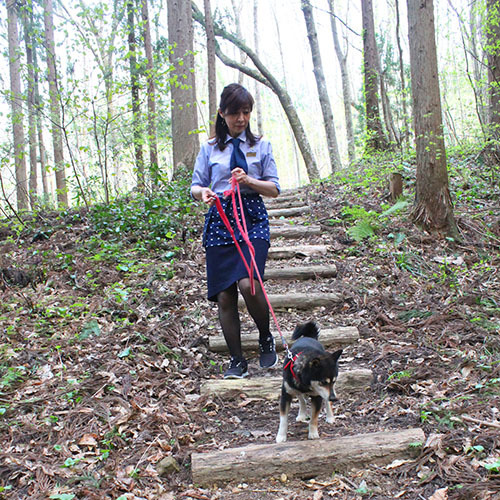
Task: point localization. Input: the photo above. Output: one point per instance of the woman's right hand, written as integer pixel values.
(208, 196)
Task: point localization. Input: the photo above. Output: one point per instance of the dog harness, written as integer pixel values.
(291, 363)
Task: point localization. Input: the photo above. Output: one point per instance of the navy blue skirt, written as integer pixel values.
(225, 266)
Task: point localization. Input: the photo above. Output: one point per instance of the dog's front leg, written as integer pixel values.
(329, 412)
(302, 415)
(313, 424)
(285, 401)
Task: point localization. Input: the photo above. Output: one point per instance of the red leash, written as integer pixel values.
(253, 265)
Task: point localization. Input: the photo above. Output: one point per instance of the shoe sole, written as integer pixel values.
(228, 377)
(270, 366)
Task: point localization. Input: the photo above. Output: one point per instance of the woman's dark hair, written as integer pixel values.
(233, 98)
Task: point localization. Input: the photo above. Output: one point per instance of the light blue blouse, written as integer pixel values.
(211, 168)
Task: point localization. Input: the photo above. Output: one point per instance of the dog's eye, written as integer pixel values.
(327, 381)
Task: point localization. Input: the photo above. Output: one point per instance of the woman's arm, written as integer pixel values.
(204, 194)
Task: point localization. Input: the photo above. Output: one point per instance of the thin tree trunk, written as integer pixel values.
(296, 155)
(375, 139)
(406, 125)
(17, 107)
(492, 40)
(55, 108)
(386, 109)
(39, 123)
(30, 99)
(212, 87)
(136, 105)
(324, 100)
(151, 91)
(433, 208)
(346, 85)
(476, 24)
(186, 144)
(237, 24)
(257, 93)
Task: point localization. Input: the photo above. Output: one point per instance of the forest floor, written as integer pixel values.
(103, 348)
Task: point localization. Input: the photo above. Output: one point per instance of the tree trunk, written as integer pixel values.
(212, 87)
(150, 77)
(406, 125)
(476, 16)
(346, 86)
(386, 109)
(17, 107)
(375, 139)
(493, 52)
(285, 86)
(264, 76)
(39, 123)
(433, 208)
(237, 23)
(30, 99)
(324, 100)
(183, 92)
(136, 104)
(257, 94)
(55, 108)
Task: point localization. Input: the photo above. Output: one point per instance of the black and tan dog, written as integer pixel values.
(311, 372)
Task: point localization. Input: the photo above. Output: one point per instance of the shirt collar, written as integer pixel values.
(242, 137)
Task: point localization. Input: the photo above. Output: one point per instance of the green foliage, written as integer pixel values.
(153, 219)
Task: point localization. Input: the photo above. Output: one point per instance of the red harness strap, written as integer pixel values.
(253, 265)
(291, 363)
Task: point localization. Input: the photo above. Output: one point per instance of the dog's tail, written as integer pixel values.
(309, 329)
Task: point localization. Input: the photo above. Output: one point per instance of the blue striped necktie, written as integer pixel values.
(237, 157)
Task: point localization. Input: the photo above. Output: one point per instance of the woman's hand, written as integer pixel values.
(240, 175)
(265, 188)
(208, 196)
(204, 194)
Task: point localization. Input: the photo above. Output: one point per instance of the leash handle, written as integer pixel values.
(253, 266)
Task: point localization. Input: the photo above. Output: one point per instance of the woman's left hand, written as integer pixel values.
(240, 175)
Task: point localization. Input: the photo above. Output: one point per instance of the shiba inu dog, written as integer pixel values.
(311, 372)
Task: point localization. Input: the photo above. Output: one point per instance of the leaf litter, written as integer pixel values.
(101, 368)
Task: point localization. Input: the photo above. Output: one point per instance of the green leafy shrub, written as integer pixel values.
(153, 218)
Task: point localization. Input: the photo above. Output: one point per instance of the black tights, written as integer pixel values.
(229, 316)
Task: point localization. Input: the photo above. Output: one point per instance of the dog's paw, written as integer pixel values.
(302, 417)
(330, 420)
(313, 435)
(280, 438)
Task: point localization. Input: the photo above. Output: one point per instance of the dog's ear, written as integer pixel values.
(336, 355)
(315, 363)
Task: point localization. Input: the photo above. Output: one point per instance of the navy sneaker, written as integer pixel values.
(267, 349)
(237, 369)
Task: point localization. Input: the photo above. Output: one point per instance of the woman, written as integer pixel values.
(235, 151)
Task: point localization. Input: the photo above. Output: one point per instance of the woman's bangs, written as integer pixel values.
(239, 100)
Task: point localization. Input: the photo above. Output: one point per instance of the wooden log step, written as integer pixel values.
(295, 231)
(289, 252)
(300, 300)
(338, 337)
(288, 212)
(301, 272)
(348, 383)
(286, 198)
(284, 202)
(304, 459)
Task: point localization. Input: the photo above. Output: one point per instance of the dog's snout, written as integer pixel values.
(333, 396)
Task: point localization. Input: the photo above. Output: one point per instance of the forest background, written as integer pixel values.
(98, 141)
(104, 322)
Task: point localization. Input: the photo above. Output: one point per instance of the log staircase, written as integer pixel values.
(290, 227)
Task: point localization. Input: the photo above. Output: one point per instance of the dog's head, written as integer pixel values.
(320, 373)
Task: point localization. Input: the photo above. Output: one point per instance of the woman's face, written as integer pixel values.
(237, 122)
